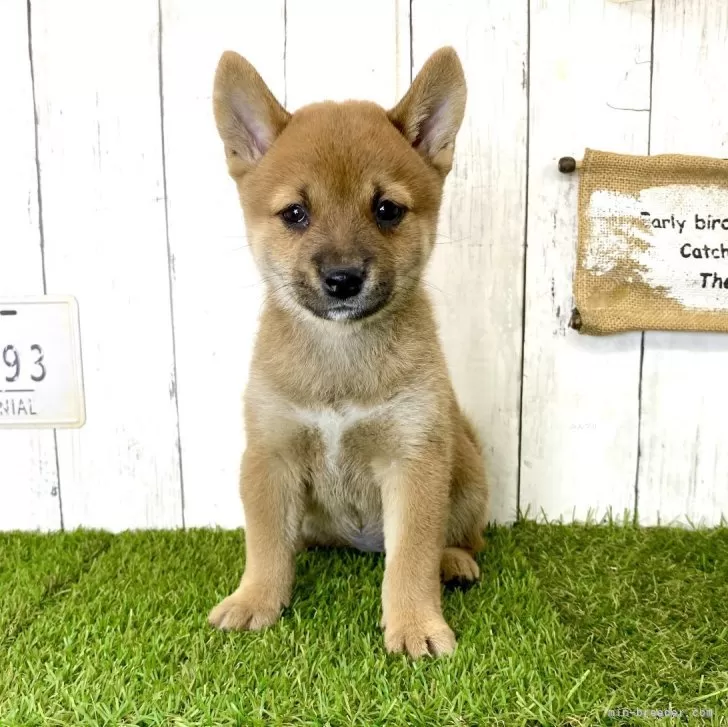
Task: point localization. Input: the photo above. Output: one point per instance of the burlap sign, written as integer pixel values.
(653, 244)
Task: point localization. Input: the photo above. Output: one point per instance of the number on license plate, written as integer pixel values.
(41, 382)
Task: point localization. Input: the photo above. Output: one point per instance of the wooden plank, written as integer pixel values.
(100, 148)
(29, 496)
(589, 86)
(477, 268)
(217, 290)
(683, 474)
(337, 51)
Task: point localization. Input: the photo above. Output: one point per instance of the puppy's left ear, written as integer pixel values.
(431, 112)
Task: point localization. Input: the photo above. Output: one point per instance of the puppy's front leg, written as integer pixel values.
(415, 507)
(271, 491)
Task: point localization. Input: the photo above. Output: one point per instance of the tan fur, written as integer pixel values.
(353, 430)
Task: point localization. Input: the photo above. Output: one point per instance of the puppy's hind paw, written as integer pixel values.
(458, 566)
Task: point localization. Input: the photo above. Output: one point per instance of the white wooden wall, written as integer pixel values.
(113, 189)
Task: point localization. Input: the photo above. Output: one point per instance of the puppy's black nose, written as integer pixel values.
(343, 283)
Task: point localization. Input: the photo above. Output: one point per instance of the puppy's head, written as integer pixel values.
(340, 199)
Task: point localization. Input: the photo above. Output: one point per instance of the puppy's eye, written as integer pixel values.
(387, 213)
(295, 217)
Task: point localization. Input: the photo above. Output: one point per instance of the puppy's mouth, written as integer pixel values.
(357, 308)
(351, 311)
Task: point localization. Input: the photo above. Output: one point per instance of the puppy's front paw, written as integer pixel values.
(418, 635)
(247, 609)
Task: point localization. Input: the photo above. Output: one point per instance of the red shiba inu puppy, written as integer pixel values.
(354, 435)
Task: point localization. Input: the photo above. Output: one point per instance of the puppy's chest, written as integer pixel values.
(344, 439)
(344, 496)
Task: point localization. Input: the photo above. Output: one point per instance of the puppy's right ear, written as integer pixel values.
(248, 116)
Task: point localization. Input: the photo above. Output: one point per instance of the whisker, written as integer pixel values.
(424, 282)
(262, 281)
(447, 240)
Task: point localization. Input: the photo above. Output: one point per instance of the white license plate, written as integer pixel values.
(41, 377)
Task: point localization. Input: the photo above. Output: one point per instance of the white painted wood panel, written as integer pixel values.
(589, 86)
(341, 50)
(477, 267)
(684, 440)
(117, 103)
(100, 150)
(29, 496)
(217, 290)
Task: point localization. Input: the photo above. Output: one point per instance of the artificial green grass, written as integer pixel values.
(567, 623)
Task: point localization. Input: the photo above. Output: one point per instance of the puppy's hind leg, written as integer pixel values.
(458, 565)
(468, 508)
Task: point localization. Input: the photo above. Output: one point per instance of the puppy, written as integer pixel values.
(354, 435)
